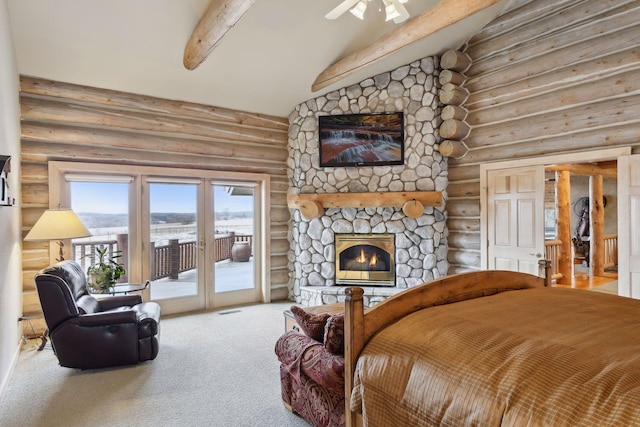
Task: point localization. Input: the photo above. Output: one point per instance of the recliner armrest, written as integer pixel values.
(110, 303)
(107, 318)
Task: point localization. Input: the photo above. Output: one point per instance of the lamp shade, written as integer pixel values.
(57, 224)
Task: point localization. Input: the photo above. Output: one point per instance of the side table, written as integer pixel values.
(290, 323)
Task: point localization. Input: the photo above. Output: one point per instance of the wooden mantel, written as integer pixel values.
(412, 202)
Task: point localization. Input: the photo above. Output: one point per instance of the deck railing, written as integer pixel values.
(610, 250)
(167, 261)
(552, 253)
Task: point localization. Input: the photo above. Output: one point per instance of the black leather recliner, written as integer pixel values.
(88, 333)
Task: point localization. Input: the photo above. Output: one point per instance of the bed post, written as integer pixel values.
(545, 266)
(353, 343)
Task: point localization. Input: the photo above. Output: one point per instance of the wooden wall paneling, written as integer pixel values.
(460, 240)
(519, 13)
(593, 115)
(563, 18)
(587, 139)
(92, 136)
(546, 77)
(91, 95)
(572, 74)
(68, 122)
(540, 56)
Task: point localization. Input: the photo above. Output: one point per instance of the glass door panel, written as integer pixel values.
(234, 243)
(103, 207)
(173, 237)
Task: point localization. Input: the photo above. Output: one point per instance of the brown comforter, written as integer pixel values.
(536, 357)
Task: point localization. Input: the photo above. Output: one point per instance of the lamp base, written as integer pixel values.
(61, 254)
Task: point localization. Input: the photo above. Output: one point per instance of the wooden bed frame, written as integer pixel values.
(360, 326)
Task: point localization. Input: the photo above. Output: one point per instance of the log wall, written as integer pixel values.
(75, 123)
(547, 77)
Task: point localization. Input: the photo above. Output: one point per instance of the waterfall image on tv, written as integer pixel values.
(361, 139)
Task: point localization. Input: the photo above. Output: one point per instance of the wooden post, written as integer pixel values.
(153, 272)
(565, 260)
(544, 266)
(596, 234)
(122, 242)
(353, 343)
(174, 259)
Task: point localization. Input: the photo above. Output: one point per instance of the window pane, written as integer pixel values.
(174, 240)
(234, 238)
(103, 208)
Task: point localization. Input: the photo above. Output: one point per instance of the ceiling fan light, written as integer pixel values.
(359, 9)
(391, 12)
(404, 1)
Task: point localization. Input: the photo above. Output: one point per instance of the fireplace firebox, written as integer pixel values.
(365, 259)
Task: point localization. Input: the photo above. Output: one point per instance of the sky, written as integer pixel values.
(88, 197)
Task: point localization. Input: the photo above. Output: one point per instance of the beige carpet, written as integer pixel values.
(213, 369)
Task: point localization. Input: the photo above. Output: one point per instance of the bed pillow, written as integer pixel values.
(313, 325)
(334, 334)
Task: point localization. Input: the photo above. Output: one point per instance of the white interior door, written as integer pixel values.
(629, 226)
(515, 221)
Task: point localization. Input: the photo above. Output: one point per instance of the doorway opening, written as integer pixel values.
(553, 226)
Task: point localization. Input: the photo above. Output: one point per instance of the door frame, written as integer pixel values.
(58, 194)
(582, 156)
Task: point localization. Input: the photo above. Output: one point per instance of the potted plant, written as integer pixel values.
(106, 271)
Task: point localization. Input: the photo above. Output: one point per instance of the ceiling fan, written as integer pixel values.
(394, 9)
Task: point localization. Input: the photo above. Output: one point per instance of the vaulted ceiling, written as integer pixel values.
(266, 63)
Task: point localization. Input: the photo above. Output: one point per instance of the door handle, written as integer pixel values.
(536, 254)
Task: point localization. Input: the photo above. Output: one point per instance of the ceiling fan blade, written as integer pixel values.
(341, 8)
(404, 14)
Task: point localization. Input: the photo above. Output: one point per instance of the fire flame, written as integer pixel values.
(374, 260)
(361, 258)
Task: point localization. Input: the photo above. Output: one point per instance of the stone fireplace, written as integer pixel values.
(420, 250)
(365, 259)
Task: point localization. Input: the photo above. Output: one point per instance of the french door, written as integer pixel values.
(201, 250)
(197, 236)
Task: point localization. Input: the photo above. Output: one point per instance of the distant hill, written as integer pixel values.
(101, 220)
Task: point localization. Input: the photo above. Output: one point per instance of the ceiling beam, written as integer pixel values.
(445, 13)
(219, 18)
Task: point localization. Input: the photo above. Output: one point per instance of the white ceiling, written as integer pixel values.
(265, 64)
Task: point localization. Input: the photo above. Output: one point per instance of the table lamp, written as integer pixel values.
(58, 224)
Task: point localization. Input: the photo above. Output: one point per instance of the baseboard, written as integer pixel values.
(12, 366)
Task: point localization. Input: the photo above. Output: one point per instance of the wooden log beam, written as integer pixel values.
(454, 129)
(365, 200)
(455, 60)
(589, 169)
(451, 148)
(450, 76)
(451, 94)
(445, 13)
(220, 17)
(565, 260)
(454, 112)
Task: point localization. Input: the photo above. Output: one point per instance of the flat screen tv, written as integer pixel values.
(361, 139)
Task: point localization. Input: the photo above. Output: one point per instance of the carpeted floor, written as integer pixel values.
(213, 369)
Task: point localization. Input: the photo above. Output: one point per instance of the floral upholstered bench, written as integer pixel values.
(312, 368)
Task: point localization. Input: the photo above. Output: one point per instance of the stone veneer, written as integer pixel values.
(421, 247)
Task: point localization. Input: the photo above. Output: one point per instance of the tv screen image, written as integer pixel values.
(361, 139)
